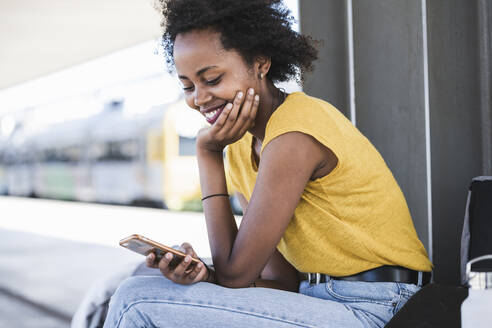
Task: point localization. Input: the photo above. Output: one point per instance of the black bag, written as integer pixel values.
(476, 239)
(439, 305)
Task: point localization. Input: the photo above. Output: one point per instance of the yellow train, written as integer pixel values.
(146, 159)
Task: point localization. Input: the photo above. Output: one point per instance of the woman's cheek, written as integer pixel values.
(190, 102)
(233, 87)
(227, 93)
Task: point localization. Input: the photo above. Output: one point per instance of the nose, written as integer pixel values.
(201, 97)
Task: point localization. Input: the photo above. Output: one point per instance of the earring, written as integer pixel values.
(261, 76)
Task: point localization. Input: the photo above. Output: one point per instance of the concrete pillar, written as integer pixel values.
(455, 123)
(326, 21)
(485, 68)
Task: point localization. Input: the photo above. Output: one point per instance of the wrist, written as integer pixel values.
(206, 154)
(204, 143)
(209, 149)
(210, 274)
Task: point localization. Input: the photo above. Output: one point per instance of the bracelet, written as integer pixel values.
(213, 195)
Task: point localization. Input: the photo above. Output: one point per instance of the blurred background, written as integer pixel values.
(113, 128)
(96, 142)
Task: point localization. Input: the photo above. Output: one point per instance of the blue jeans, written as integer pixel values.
(153, 301)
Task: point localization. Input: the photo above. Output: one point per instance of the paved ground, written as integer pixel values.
(49, 276)
(51, 253)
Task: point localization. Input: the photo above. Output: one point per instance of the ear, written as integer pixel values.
(262, 65)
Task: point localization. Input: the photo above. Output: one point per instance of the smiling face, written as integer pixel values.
(210, 75)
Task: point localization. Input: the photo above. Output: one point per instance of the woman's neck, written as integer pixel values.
(270, 98)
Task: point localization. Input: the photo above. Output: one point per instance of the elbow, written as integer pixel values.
(233, 280)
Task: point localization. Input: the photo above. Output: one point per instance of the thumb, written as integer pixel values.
(188, 249)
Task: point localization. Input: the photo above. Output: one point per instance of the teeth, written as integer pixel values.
(210, 114)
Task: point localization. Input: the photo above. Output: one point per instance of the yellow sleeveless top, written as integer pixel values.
(351, 220)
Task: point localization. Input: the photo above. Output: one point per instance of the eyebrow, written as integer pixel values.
(198, 73)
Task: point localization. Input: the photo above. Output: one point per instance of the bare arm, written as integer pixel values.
(278, 272)
(240, 256)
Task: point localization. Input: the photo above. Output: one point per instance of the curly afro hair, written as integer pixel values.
(251, 27)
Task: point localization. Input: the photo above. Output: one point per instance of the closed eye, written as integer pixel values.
(214, 81)
(208, 82)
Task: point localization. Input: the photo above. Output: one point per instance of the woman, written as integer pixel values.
(317, 196)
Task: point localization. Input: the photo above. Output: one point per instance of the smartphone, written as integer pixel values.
(145, 246)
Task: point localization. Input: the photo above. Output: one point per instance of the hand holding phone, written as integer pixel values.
(181, 267)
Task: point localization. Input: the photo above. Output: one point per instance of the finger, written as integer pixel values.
(252, 115)
(190, 268)
(202, 273)
(254, 110)
(179, 272)
(198, 273)
(237, 103)
(243, 117)
(222, 117)
(164, 264)
(189, 250)
(150, 261)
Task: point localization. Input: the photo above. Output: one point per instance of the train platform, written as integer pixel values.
(52, 252)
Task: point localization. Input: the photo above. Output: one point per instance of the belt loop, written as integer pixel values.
(314, 278)
(419, 283)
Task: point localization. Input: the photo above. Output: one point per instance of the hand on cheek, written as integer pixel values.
(236, 118)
